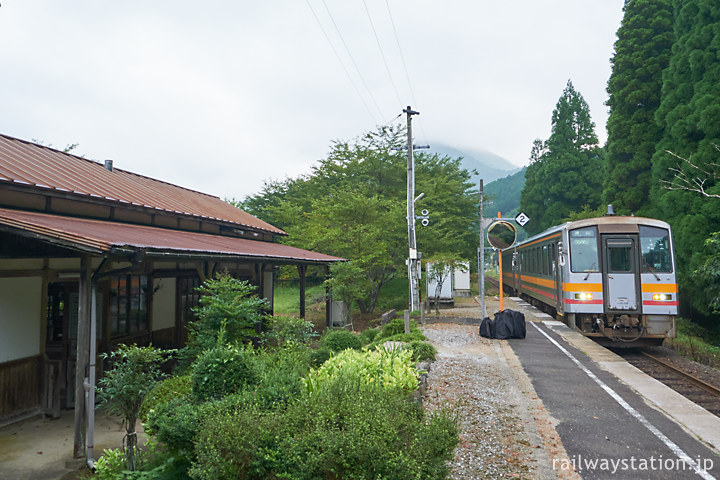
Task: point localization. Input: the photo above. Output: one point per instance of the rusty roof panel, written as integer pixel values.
(26, 163)
(102, 237)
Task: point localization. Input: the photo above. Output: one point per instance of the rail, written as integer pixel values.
(713, 390)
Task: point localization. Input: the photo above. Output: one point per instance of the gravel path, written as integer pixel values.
(505, 430)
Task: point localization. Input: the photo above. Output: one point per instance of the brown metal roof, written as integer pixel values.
(97, 236)
(29, 164)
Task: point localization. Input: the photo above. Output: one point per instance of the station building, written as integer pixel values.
(81, 241)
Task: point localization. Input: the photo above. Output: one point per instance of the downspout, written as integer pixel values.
(89, 383)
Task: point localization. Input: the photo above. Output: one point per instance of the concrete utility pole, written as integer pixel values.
(413, 270)
(481, 263)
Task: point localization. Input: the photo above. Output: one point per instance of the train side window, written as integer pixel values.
(655, 250)
(584, 250)
(544, 260)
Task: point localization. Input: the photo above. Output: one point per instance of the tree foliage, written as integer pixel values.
(688, 114)
(353, 205)
(567, 169)
(642, 52)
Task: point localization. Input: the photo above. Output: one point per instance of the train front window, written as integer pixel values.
(584, 250)
(655, 250)
(620, 255)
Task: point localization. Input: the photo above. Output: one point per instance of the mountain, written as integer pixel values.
(504, 195)
(488, 165)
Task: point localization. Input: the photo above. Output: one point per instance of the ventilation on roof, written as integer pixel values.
(109, 165)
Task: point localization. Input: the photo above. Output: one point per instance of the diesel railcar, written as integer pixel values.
(611, 278)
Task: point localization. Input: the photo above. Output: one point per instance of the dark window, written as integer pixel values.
(128, 304)
(620, 254)
(189, 297)
(655, 250)
(545, 260)
(584, 250)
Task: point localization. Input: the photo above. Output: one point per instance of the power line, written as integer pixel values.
(337, 55)
(352, 59)
(382, 53)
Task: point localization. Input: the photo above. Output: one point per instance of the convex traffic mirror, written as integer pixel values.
(501, 234)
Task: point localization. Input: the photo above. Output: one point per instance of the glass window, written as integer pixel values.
(619, 253)
(128, 304)
(584, 250)
(655, 250)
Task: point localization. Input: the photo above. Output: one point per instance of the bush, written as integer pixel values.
(222, 370)
(164, 391)
(284, 330)
(175, 423)
(367, 336)
(396, 326)
(390, 370)
(416, 336)
(339, 340)
(422, 351)
(280, 375)
(345, 431)
(319, 356)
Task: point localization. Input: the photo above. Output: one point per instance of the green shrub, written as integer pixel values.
(390, 370)
(284, 330)
(280, 373)
(222, 370)
(110, 465)
(339, 340)
(396, 326)
(422, 351)
(367, 336)
(416, 336)
(345, 431)
(175, 423)
(319, 356)
(164, 391)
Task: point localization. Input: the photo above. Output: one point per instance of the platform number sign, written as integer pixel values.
(522, 219)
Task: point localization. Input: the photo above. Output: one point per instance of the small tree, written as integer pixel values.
(442, 267)
(227, 302)
(349, 283)
(134, 373)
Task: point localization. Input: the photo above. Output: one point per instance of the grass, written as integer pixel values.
(287, 297)
(696, 343)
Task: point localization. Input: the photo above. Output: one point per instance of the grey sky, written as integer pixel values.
(220, 95)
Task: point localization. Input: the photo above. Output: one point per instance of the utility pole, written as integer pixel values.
(481, 264)
(413, 270)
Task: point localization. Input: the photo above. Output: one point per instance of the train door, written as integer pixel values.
(621, 273)
(558, 262)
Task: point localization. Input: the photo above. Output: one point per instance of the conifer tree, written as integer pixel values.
(568, 174)
(642, 52)
(689, 113)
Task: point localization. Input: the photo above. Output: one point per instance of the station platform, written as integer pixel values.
(614, 421)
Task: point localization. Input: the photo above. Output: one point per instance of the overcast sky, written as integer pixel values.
(219, 96)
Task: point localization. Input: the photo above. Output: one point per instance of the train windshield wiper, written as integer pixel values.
(652, 270)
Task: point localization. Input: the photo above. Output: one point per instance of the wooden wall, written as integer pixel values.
(20, 386)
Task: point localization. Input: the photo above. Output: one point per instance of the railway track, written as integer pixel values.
(686, 384)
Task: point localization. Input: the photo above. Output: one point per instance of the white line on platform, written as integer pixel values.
(669, 443)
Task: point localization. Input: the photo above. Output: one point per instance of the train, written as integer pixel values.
(611, 278)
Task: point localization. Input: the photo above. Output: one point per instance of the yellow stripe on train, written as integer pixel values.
(582, 287)
(659, 287)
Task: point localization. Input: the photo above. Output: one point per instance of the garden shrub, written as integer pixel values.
(368, 335)
(222, 370)
(390, 370)
(339, 340)
(422, 351)
(164, 391)
(416, 336)
(397, 326)
(347, 430)
(319, 356)
(175, 423)
(280, 373)
(289, 330)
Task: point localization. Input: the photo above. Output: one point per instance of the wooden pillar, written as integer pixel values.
(83, 345)
(328, 299)
(302, 270)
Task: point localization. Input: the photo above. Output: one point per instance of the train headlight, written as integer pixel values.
(584, 296)
(660, 297)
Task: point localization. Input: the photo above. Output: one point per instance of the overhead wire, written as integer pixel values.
(382, 53)
(337, 55)
(404, 64)
(352, 59)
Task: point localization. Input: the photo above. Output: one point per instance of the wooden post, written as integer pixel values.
(328, 299)
(83, 345)
(302, 269)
